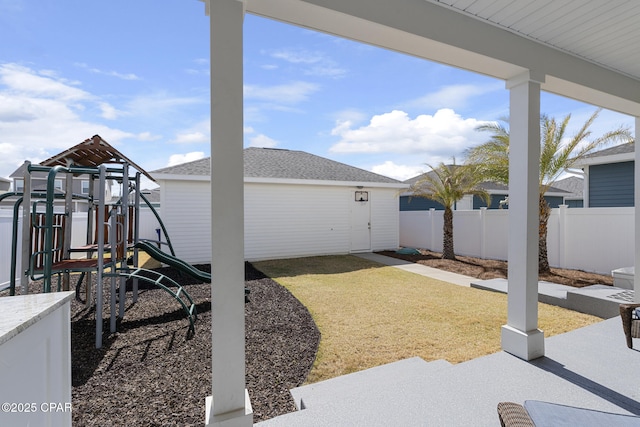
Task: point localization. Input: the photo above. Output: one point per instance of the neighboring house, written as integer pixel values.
(574, 185)
(498, 192)
(609, 177)
(39, 184)
(5, 184)
(153, 196)
(296, 204)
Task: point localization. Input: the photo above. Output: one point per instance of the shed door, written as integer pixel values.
(360, 225)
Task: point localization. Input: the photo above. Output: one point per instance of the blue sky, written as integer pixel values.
(137, 74)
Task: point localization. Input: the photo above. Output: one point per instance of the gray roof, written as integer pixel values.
(572, 184)
(153, 195)
(629, 147)
(284, 164)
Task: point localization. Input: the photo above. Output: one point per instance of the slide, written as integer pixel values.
(177, 263)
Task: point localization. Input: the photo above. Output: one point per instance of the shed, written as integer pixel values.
(295, 204)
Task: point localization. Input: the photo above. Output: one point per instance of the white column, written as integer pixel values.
(636, 279)
(521, 336)
(229, 404)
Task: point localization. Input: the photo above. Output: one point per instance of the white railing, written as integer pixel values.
(148, 226)
(590, 239)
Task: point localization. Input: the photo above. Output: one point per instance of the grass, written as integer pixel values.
(370, 314)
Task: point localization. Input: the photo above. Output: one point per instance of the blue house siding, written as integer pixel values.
(554, 201)
(495, 201)
(611, 185)
(575, 203)
(408, 203)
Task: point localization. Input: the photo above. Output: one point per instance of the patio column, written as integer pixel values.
(636, 279)
(229, 404)
(521, 336)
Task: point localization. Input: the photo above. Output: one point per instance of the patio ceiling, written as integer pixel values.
(582, 49)
(603, 32)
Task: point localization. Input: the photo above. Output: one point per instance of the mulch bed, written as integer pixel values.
(150, 374)
(485, 269)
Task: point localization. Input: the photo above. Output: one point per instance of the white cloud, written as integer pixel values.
(161, 103)
(178, 159)
(39, 116)
(109, 111)
(314, 63)
(262, 141)
(123, 76)
(196, 134)
(291, 93)
(298, 56)
(191, 138)
(399, 172)
(454, 96)
(148, 136)
(23, 80)
(443, 134)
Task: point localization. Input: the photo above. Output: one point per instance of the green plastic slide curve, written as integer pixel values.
(174, 262)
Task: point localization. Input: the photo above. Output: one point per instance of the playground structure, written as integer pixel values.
(112, 239)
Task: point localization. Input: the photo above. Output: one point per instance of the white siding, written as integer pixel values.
(185, 212)
(385, 218)
(281, 220)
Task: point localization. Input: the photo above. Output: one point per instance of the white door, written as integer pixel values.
(361, 224)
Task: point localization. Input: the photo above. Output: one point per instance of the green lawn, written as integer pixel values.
(370, 314)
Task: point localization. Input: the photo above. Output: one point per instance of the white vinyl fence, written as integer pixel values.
(590, 239)
(148, 226)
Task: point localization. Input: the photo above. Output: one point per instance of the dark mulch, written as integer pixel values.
(491, 269)
(149, 374)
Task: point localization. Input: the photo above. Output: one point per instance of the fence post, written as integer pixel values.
(483, 232)
(562, 227)
(432, 230)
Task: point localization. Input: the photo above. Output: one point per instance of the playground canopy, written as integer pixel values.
(92, 152)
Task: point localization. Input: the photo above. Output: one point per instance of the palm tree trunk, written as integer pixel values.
(543, 259)
(447, 236)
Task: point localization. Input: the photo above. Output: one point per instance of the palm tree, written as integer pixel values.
(558, 154)
(447, 184)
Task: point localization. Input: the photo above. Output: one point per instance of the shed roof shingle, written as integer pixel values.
(284, 164)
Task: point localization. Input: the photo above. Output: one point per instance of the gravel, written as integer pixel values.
(150, 373)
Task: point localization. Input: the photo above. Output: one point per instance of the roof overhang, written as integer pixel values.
(600, 160)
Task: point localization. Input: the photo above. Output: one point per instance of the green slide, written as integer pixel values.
(174, 262)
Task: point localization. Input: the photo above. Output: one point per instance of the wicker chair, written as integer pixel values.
(630, 322)
(514, 415)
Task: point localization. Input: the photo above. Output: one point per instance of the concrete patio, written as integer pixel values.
(589, 367)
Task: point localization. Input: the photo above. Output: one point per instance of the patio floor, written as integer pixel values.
(589, 367)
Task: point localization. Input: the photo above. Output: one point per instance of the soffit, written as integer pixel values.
(606, 33)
